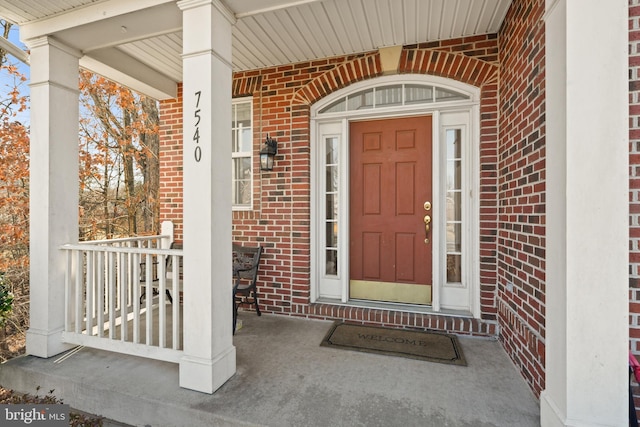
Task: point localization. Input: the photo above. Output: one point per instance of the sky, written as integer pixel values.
(5, 79)
(14, 37)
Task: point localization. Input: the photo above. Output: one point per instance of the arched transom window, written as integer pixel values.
(393, 95)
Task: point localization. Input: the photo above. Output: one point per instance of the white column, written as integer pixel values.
(587, 214)
(53, 188)
(209, 355)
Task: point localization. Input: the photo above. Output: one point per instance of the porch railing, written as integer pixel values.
(115, 297)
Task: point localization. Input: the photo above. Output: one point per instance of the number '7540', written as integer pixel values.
(196, 135)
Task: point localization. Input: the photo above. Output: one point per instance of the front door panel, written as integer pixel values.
(390, 179)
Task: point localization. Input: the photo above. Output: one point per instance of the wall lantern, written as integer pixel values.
(268, 152)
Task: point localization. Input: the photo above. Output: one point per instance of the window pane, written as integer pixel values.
(242, 168)
(242, 193)
(332, 178)
(241, 181)
(454, 175)
(332, 234)
(332, 206)
(389, 95)
(332, 262)
(361, 100)
(418, 94)
(246, 136)
(453, 143)
(336, 106)
(454, 237)
(242, 115)
(454, 203)
(448, 95)
(332, 151)
(454, 268)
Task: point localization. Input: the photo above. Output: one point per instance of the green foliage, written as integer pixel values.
(6, 301)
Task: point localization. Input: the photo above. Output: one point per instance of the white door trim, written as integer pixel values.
(446, 297)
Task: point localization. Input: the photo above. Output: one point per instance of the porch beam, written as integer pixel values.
(97, 12)
(97, 30)
(587, 290)
(53, 188)
(128, 71)
(209, 355)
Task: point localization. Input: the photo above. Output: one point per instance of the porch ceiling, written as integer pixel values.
(139, 43)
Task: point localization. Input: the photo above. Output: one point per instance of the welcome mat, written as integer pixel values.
(430, 346)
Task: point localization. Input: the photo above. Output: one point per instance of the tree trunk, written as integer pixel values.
(105, 199)
(6, 28)
(151, 166)
(129, 179)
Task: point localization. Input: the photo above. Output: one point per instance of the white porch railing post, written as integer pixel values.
(100, 267)
(111, 293)
(136, 298)
(166, 229)
(149, 300)
(209, 355)
(53, 188)
(77, 294)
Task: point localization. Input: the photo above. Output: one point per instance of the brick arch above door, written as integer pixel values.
(415, 60)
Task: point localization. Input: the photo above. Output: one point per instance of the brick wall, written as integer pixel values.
(634, 181)
(521, 190)
(634, 173)
(170, 191)
(280, 218)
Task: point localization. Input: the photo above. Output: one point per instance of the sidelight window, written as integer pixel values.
(331, 201)
(241, 154)
(454, 205)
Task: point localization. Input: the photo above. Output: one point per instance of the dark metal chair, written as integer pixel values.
(169, 271)
(246, 260)
(155, 280)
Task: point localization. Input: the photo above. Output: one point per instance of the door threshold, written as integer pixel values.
(408, 308)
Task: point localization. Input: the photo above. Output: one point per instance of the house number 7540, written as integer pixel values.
(196, 135)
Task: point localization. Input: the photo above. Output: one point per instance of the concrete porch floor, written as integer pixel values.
(284, 378)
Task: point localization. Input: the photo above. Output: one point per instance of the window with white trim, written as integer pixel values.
(242, 153)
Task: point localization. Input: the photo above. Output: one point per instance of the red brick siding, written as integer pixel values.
(634, 173)
(521, 190)
(170, 191)
(280, 218)
(634, 182)
(453, 62)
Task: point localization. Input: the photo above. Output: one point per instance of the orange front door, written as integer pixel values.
(390, 178)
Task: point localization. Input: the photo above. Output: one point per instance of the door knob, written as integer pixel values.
(427, 219)
(427, 206)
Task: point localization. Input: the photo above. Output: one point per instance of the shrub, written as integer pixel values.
(6, 301)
